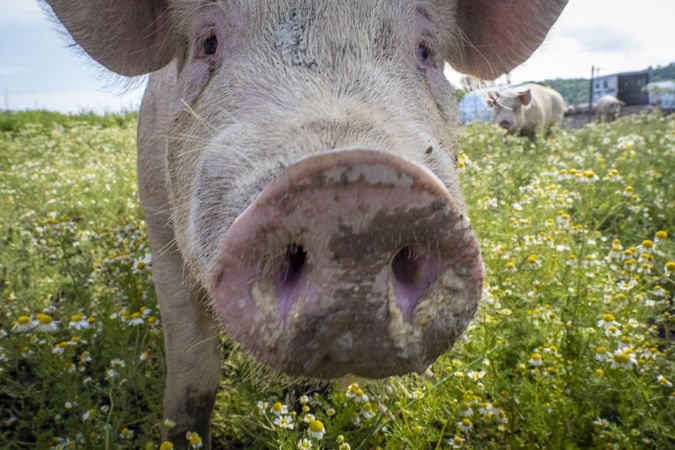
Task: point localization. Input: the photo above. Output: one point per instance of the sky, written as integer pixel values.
(38, 70)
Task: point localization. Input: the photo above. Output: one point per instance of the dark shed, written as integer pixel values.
(630, 87)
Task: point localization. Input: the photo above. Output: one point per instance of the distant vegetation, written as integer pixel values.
(661, 73)
(574, 90)
(16, 120)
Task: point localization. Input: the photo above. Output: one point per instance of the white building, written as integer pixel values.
(626, 86)
(662, 94)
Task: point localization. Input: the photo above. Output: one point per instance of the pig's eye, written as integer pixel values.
(211, 45)
(425, 56)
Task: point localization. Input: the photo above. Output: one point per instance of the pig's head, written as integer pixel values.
(310, 163)
(509, 108)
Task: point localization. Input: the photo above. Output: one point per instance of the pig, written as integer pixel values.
(527, 108)
(608, 108)
(295, 164)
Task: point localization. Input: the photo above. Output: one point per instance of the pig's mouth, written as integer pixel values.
(351, 261)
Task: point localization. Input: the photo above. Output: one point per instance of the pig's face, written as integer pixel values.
(289, 101)
(508, 109)
(310, 163)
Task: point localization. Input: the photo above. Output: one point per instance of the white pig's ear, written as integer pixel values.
(494, 36)
(129, 37)
(525, 97)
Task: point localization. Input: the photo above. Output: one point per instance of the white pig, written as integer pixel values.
(608, 108)
(295, 162)
(526, 108)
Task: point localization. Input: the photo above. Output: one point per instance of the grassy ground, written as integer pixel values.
(571, 347)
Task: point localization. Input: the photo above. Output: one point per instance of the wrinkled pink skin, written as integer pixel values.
(297, 182)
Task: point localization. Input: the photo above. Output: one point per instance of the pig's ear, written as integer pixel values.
(129, 37)
(525, 97)
(494, 36)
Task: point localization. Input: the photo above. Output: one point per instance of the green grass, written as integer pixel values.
(571, 347)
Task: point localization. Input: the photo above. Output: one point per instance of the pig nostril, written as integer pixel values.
(293, 266)
(406, 267)
(294, 262)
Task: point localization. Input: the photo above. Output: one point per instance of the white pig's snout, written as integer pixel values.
(350, 261)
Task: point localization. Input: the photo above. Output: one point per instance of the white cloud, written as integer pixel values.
(76, 101)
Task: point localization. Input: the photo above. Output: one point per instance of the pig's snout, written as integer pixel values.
(352, 261)
(505, 124)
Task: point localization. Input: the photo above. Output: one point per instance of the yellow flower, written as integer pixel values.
(194, 439)
(278, 408)
(23, 320)
(621, 357)
(316, 429)
(535, 359)
(44, 319)
(670, 267)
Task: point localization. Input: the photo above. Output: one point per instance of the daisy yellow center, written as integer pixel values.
(662, 234)
(670, 266)
(136, 315)
(532, 259)
(647, 244)
(166, 445)
(76, 317)
(601, 350)
(278, 407)
(466, 422)
(621, 358)
(608, 317)
(23, 320)
(195, 439)
(612, 329)
(316, 426)
(44, 319)
(536, 356)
